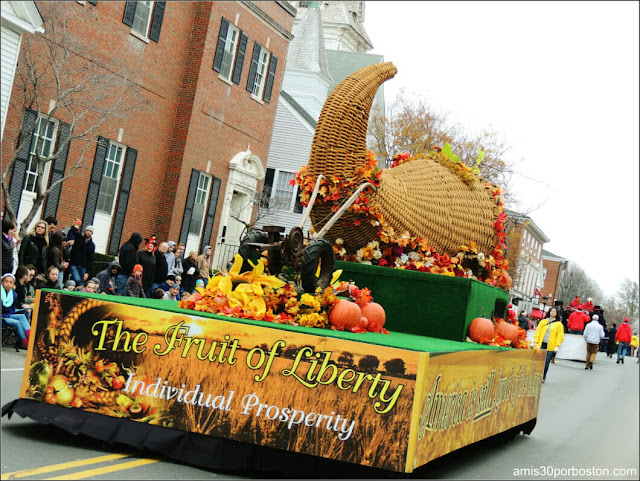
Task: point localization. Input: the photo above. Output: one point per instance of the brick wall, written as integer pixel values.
(192, 119)
(551, 281)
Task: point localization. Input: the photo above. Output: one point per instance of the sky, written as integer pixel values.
(559, 82)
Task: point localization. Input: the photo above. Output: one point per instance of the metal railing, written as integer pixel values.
(224, 254)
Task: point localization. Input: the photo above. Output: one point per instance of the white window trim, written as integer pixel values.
(259, 98)
(47, 167)
(118, 180)
(135, 33)
(276, 176)
(234, 54)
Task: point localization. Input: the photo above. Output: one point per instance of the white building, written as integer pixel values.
(17, 18)
(330, 43)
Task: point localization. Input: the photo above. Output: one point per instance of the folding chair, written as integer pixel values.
(10, 335)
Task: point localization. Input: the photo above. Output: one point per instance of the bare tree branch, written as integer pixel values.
(82, 93)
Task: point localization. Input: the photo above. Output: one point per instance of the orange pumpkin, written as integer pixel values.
(345, 314)
(375, 313)
(508, 331)
(481, 330)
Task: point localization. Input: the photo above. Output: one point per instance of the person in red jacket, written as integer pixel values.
(588, 305)
(576, 322)
(576, 303)
(511, 315)
(623, 338)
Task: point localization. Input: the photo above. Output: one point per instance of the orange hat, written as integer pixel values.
(137, 267)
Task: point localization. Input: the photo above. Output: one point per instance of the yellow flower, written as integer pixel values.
(256, 276)
(310, 301)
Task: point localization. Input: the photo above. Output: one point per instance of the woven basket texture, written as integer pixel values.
(421, 197)
(427, 200)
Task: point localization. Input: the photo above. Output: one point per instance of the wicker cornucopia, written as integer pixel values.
(422, 197)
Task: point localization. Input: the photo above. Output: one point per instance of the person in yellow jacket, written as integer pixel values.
(634, 345)
(549, 335)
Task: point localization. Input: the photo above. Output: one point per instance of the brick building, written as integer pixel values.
(210, 73)
(553, 268)
(529, 278)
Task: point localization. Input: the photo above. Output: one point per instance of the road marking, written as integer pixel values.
(59, 467)
(106, 469)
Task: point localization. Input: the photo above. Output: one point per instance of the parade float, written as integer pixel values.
(393, 357)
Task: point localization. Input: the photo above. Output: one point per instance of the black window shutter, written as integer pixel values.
(20, 166)
(94, 182)
(211, 212)
(188, 206)
(156, 21)
(271, 76)
(267, 190)
(254, 66)
(237, 69)
(222, 39)
(129, 13)
(123, 201)
(57, 171)
(297, 208)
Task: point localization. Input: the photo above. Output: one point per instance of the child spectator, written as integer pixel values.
(70, 285)
(51, 280)
(158, 293)
(10, 312)
(173, 294)
(90, 286)
(134, 283)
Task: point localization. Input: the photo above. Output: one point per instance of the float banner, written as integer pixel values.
(339, 399)
(466, 396)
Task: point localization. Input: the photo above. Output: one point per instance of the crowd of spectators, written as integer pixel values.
(50, 258)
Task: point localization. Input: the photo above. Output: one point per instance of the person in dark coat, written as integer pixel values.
(74, 233)
(33, 248)
(70, 238)
(162, 266)
(82, 254)
(191, 272)
(109, 279)
(55, 255)
(8, 233)
(147, 260)
(127, 257)
(611, 343)
(523, 321)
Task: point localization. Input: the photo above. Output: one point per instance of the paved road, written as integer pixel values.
(586, 420)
